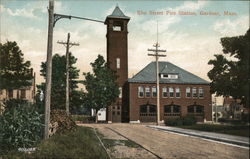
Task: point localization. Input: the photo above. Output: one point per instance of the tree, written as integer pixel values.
(101, 87)
(14, 71)
(231, 77)
(58, 96)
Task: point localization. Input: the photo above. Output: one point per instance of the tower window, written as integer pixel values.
(118, 63)
(118, 26)
(120, 90)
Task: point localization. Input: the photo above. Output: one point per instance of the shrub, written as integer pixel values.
(188, 120)
(20, 125)
(174, 122)
(83, 118)
(222, 120)
(245, 118)
(64, 121)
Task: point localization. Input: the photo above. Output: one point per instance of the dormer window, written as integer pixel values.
(117, 26)
(169, 76)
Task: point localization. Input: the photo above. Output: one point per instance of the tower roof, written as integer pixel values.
(147, 75)
(117, 13)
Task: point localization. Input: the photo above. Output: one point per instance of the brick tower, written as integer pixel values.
(117, 58)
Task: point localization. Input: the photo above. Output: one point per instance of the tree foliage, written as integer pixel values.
(101, 87)
(14, 71)
(230, 77)
(58, 94)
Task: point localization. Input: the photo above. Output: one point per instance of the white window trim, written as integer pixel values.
(173, 92)
(146, 92)
(189, 92)
(179, 92)
(153, 92)
(138, 91)
(202, 93)
(166, 92)
(193, 93)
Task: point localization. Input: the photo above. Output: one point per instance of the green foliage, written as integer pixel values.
(81, 143)
(58, 87)
(101, 87)
(14, 71)
(65, 122)
(83, 118)
(20, 125)
(188, 120)
(231, 77)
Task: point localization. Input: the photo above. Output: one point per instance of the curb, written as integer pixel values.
(225, 140)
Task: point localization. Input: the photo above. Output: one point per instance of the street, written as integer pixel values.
(170, 145)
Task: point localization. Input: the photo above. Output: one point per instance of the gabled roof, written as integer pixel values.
(117, 13)
(147, 75)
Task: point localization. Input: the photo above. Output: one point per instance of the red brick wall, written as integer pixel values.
(117, 47)
(183, 101)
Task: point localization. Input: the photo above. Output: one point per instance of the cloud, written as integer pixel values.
(229, 27)
(191, 6)
(21, 12)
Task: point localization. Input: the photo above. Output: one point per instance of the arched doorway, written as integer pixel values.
(172, 111)
(148, 113)
(197, 111)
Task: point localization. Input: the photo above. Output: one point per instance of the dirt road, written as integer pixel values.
(173, 146)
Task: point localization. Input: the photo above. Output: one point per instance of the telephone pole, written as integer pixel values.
(157, 55)
(68, 45)
(48, 69)
(53, 18)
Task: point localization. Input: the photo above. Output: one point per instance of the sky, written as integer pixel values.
(190, 31)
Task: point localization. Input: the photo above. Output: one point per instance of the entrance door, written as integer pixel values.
(148, 113)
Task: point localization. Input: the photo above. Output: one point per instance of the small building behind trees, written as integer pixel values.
(25, 93)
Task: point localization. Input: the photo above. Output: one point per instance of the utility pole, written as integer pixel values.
(53, 18)
(49, 69)
(216, 111)
(157, 55)
(68, 45)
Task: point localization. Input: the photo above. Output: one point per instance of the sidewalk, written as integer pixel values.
(230, 139)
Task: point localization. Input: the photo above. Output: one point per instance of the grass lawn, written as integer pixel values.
(239, 130)
(81, 143)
